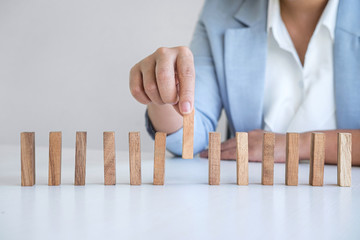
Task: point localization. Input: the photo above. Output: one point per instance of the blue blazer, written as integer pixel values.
(230, 46)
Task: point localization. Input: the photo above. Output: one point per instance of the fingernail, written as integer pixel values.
(185, 107)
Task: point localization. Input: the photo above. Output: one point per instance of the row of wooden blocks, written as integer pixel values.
(27, 141)
(317, 159)
(316, 174)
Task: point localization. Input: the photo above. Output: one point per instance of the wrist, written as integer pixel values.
(304, 145)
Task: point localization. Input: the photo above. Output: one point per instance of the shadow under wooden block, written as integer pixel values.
(214, 158)
(27, 142)
(242, 158)
(109, 158)
(135, 158)
(80, 158)
(344, 160)
(159, 158)
(55, 139)
(267, 176)
(292, 159)
(317, 159)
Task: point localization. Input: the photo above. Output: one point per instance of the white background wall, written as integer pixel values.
(64, 64)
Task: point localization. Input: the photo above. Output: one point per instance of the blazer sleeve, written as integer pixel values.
(208, 104)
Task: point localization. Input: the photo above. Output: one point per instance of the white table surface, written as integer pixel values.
(186, 207)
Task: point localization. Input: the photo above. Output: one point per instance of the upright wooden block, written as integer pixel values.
(188, 136)
(135, 158)
(214, 158)
(292, 159)
(242, 158)
(27, 142)
(54, 158)
(267, 177)
(317, 159)
(80, 158)
(159, 158)
(109, 158)
(344, 160)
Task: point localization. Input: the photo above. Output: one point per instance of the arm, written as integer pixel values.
(228, 148)
(153, 82)
(164, 81)
(207, 101)
(331, 146)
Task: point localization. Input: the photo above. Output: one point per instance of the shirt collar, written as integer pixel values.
(327, 19)
(273, 13)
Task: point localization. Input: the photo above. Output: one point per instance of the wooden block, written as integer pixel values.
(80, 158)
(135, 158)
(242, 158)
(292, 159)
(267, 177)
(159, 158)
(214, 158)
(188, 136)
(344, 160)
(317, 159)
(109, 158)
(54, 158)
(27, 141)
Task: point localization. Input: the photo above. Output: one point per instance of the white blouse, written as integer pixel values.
(300, 98)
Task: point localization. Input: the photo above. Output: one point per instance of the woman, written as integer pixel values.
(277, 65)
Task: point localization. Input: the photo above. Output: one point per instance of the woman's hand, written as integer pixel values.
(165, 77)
(228, 148)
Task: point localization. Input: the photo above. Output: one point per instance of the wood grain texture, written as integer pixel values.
(55, 139)
(214, 158)
(317, 159)
(27, 142)
(267, 176)
(242, 158)
(188, 136)
(135, 158)
(292, 159)
(80, 158)
(159, 158)
(109, 158)
(344, 160)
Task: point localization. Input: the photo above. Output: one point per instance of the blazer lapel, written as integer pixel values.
(347, 65)
(245, 61)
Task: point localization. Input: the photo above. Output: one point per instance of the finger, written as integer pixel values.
(204, 154)
(176, 107)
(149, 81)
(136, 85)
(165, 78)
(254, 160)
(229, 154)
(279, 160)
(186, 74)
(255, 156)
(228, 144)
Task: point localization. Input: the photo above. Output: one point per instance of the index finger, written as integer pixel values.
(228, 144)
